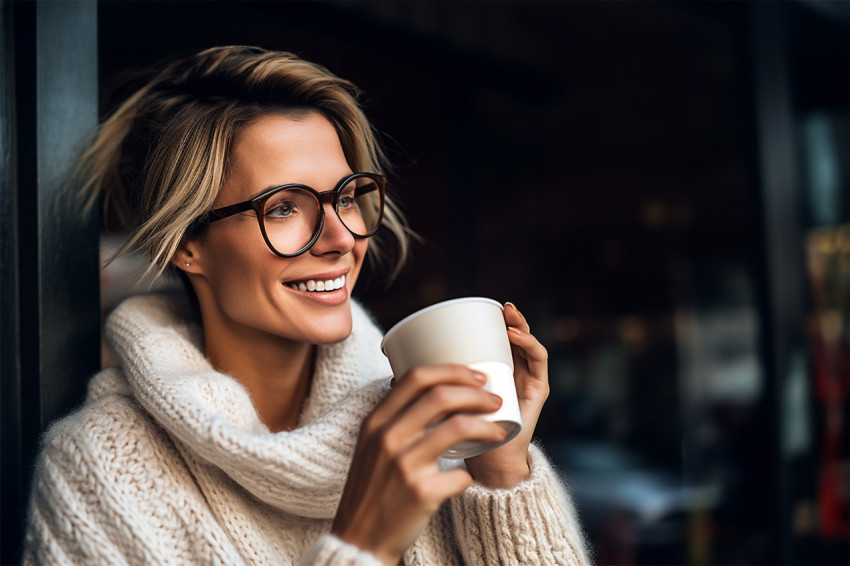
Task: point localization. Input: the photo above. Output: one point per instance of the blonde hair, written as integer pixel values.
(158, 162)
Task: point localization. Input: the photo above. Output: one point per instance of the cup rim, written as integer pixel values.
(434, 307)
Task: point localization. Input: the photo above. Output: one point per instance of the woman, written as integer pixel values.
(260, 425)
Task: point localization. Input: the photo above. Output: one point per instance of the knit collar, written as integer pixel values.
(211, 415)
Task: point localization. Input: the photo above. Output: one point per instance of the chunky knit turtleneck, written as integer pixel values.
(168, 462)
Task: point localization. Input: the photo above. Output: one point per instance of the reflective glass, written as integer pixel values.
(292, 216)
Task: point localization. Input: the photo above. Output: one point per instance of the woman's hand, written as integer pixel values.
(394, 485)
(508, 465)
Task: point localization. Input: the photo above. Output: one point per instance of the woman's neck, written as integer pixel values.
(277, 373)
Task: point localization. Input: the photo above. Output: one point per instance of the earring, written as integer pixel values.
(188, 264)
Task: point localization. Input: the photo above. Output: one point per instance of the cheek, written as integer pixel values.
(237, 264)
(360, 248)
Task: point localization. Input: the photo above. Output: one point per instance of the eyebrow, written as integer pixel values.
(262, 191)
(270, 187)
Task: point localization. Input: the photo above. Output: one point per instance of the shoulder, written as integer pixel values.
(109, 439)
(110, 486)
(109, 405)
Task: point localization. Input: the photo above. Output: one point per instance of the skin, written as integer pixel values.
(253, 322)
(507, 465)
(264, 334)
(386, 505)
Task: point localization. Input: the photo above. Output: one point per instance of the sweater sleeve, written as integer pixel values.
(532, 523)
(331, 551)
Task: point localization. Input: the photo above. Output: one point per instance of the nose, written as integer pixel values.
(335, 237)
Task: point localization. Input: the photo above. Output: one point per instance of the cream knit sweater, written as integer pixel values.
(167, 462)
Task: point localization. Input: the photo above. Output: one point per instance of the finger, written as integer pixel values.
(455, 429)
(529, 346)
(527, 350)
(443, 485)
(514, 318)
(418, 380)
(436, 405)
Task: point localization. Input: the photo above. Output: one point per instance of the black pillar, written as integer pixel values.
(781, 262)
(50, 329)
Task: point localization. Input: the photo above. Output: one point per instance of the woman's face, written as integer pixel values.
(242, 286)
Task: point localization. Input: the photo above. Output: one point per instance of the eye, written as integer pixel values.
(346, 201)
(283, 209)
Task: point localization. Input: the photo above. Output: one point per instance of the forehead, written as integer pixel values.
(276, 149)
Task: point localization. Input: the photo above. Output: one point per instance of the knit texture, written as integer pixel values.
(167, 462)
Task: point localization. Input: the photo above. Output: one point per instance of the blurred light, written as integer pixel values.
(633, 331)
(566, 329)
(653, 213)
(831, 325)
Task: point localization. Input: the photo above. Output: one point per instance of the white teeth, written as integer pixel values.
(314, 286)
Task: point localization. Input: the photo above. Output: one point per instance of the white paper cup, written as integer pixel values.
(469, 331)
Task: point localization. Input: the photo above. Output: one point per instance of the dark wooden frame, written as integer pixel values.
(50, 323)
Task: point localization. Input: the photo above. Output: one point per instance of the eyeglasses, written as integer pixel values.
(292, 216)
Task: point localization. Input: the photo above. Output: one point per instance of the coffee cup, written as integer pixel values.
(469, 331)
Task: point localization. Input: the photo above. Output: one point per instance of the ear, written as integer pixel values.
(187, 258)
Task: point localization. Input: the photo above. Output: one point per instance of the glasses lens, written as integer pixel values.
(290, 218)
(360, 204)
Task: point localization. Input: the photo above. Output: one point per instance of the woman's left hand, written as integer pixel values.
(507, 465)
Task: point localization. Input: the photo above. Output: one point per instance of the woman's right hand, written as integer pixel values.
(394, 485)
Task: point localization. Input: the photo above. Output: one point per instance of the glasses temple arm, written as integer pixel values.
(225, 211)
(360, 191)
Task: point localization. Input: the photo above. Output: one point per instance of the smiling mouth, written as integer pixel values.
(314, 286)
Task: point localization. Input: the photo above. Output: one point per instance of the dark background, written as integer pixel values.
(661, 187)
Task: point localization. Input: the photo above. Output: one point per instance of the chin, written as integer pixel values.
(328, 339)
(332, 332)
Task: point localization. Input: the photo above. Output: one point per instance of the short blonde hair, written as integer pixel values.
(159, 161)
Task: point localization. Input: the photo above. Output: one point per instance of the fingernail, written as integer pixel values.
(479, 376)
(510, 304)
(495, 397)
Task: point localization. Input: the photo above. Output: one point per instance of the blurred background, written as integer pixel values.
(663, 190)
